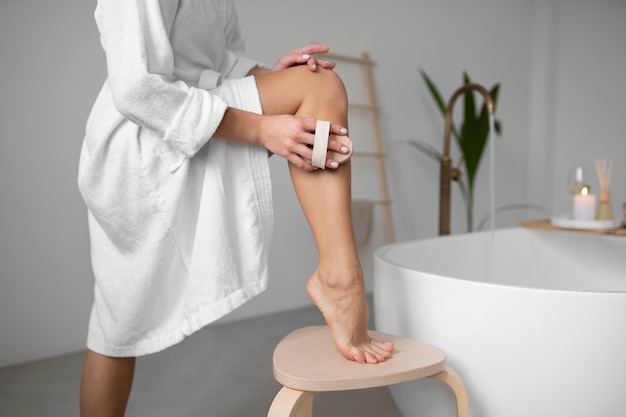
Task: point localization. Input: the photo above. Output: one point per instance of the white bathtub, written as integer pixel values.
(533, 321)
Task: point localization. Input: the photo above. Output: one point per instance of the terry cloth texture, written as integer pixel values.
(179, 223)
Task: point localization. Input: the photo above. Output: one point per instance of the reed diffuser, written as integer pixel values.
(603, 168)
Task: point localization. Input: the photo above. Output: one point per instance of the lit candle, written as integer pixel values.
(584, 205)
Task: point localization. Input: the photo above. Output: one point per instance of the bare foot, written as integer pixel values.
(344, 308)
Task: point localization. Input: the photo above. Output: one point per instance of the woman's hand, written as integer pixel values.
(302, 56)
(292, 137)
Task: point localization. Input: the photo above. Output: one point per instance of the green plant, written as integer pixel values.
(471, 137)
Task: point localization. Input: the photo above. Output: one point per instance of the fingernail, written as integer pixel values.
(306, 56)
(343, 130)
(344, 149)
(334, 164)
(314, 66)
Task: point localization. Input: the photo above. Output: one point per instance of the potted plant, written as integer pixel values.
(471, 136)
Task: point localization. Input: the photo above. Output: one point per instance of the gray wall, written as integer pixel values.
(561, 65)
(52, 68)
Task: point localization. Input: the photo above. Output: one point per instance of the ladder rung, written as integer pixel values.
(376, 202)
(358, 60)
(382, 202)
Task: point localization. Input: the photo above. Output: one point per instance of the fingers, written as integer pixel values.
(293, 138)
(291, 60)
(309, 124)
(299, 162)
(312, 62)
(336, 129)
(314, 48)
(305, 55)
(335, 145)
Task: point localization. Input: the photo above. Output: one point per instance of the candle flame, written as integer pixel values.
(584, 191)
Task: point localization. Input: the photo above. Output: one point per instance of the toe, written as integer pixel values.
(383, 346)
(371, 358)
(358, 356)
(382, 351)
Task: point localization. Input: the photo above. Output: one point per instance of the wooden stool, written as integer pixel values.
(307, 362)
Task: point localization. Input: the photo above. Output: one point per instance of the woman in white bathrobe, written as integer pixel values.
(174, 172)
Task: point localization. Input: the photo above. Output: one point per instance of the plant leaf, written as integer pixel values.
(434, 92)
(424, 147)
(495, 91)
(441, 104)
(469, 142)
(469, 116)
(475, 135)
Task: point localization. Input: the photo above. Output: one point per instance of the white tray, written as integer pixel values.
(566, 221)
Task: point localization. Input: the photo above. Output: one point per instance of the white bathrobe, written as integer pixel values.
(179, 222)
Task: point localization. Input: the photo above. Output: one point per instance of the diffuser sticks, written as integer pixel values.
(603, 168)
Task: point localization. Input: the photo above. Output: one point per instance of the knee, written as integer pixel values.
(322, 80)
(331, 82)
(326, 85)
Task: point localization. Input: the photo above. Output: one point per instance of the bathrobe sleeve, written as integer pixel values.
(140, 65)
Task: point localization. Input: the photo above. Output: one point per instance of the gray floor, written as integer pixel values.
(221, 371)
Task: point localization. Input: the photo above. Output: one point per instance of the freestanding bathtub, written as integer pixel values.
(533, 321)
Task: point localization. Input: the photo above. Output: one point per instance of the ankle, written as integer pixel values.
(349, 279)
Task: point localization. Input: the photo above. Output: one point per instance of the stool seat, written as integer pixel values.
(306, 362)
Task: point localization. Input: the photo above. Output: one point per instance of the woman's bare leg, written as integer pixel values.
(337, 287)
(105, 385)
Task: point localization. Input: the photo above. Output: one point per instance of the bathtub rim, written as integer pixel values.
(379, 256)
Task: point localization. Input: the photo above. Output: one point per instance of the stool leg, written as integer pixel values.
(292, 403)
(452, 379)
